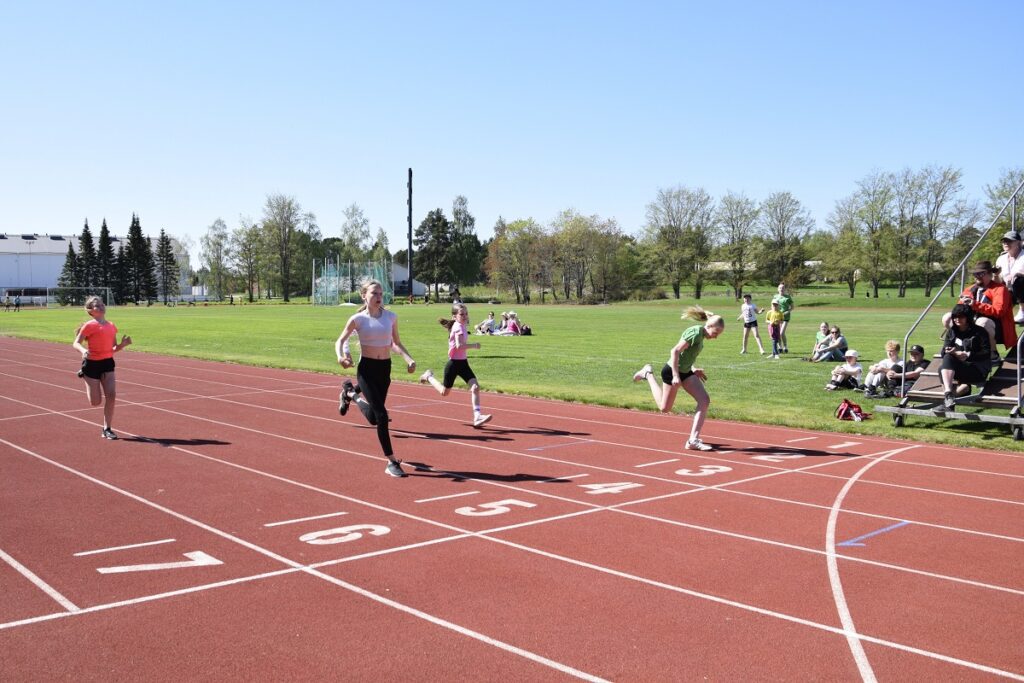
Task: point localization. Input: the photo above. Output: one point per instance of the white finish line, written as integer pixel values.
(306, 519)
(122, 547)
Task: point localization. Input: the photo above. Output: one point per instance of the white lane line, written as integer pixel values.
(39, 583)
(660, 462)
(566, 478)
(438, 621)
(849, 628)
(806, 438)
(845, 444)
(122, 547)
(305, 519)
(454, 495)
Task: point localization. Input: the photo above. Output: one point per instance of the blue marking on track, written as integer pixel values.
(853, 541)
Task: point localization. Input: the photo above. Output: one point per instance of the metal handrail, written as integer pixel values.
(961, 268)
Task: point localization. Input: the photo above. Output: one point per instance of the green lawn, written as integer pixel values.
(578, 353)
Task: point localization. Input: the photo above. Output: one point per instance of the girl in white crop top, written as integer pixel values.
(377, 328)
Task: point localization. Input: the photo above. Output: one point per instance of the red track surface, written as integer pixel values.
(508, 555)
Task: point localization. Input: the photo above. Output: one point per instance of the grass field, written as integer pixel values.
(578, 353)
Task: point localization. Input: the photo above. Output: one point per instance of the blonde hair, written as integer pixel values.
(892, 345)
(91, 302)
(700, 315)
(364, 289)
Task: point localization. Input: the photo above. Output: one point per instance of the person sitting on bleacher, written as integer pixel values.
(894, 378)
(966, 355)
(1011, 270)
(990, 301)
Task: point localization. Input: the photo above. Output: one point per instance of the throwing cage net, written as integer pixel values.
(337, 283)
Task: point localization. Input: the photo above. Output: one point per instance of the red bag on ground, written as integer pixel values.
(848, 410)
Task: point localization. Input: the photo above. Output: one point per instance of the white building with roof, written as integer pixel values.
(34, 261)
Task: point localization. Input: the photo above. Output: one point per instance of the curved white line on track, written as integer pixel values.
(853, 638)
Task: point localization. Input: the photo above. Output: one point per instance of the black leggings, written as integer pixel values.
(964, 372)
(374, 377)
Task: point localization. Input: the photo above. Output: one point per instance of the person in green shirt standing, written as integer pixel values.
(785, 300)
(680, 372)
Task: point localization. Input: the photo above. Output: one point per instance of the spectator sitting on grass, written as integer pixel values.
(835, 349)
(487, 326)
(847, 375)
(894, 378)
(511, 329)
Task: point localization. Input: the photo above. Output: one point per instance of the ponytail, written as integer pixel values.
(697, 313)
(446, 323)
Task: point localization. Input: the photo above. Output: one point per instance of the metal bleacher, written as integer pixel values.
(999, 399)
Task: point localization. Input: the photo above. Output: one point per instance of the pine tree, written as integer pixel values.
(69, 277)
(119, 277)
(167, 271)
(86, 258)
(104, 257)
(139, 269)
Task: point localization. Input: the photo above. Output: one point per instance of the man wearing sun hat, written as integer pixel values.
(992, 304)
(1011, 270)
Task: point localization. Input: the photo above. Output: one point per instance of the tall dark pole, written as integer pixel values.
(409, 202)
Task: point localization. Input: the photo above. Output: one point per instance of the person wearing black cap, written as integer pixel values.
(1011, 269)
(899, 379)
(992, 307)
(965, 354)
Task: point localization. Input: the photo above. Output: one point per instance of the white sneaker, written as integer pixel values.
(425, 377)
(697, 445)
(743, 352)
(1019, 318)
(641, 374)
(481, 420)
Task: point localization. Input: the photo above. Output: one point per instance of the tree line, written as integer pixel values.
(133, 272)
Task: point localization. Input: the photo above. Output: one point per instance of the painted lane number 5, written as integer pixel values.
(496, 508)
(704, 471)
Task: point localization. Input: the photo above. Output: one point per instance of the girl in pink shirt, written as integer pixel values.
(458, 364)
(98, 359)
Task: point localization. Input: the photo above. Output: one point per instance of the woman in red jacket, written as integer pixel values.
(992, 303)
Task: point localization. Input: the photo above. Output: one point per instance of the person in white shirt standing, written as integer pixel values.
(1011, 268)
(748, 314)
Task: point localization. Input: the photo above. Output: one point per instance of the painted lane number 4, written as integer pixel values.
(499, 507)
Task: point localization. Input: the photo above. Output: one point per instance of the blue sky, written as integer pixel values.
(186, 112)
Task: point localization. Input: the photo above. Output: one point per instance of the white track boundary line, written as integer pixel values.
(39, 583)
(123, 547)
(845, 618)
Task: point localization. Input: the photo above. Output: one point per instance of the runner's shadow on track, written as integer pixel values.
(539, 431)
(167, 443)
(424, 470)
(809, 452)
(478, 436)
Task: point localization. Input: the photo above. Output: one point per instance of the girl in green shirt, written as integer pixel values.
(680, 372)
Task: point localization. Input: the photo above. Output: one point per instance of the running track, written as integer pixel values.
(241, 529)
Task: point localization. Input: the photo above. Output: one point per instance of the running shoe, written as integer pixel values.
(1019, 318)
(345, 398)
(394, 469)
(425, 377)
(641, 374)
(108, 433)
(949, 402)
(697, 445)
(481, 420)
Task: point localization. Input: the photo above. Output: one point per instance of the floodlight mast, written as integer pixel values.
(409, 253)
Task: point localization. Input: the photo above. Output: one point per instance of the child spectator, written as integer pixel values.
(819, 340)
(774, 319)
(899, 380)
(847, 375)
(748, 314)
(877, 372)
